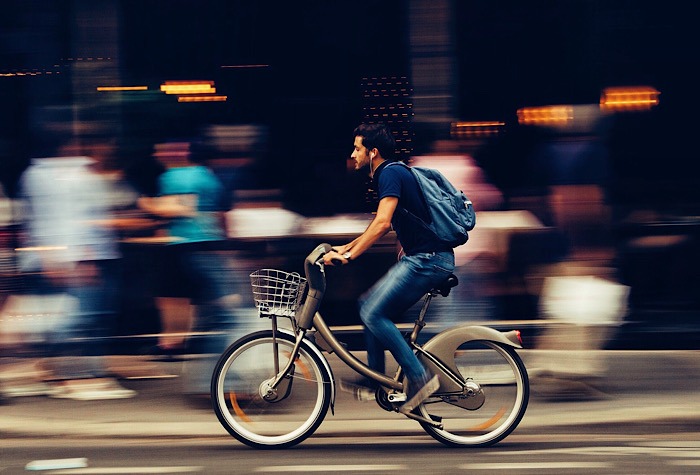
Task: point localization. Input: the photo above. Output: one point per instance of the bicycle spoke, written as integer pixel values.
(494, 406)
(258, 415)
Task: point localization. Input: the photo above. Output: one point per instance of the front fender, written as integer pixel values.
(444, 345)
(311, 347)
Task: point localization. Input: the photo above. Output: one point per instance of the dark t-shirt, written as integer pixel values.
(399, 182)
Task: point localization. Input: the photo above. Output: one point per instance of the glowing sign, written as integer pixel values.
(122, 88)
(629, 98)
(188, 87)
(546, 115)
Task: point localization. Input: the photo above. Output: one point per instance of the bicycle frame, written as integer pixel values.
(394, 383)
(491, 382)
(308, 317)
(304, 322)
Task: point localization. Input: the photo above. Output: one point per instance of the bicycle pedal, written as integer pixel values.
(364, 394)
(435, 418)
(396, 397)
(359, 392)
(430, 422)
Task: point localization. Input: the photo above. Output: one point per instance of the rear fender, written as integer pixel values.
(443, 346)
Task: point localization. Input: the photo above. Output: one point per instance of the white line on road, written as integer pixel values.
(329, 468)
(673, 444)
(679, 453)
(685, 463)
(534, 465)
(612, 450)
(56, 464)
(591, 450)
(120, 470)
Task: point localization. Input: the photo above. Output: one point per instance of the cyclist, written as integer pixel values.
(423, 263)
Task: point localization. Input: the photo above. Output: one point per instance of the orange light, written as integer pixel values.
(122, 88)
(475, 129)
(188, 87)
(629, 98)
(547, 115)
(207, 98)
(479, 124)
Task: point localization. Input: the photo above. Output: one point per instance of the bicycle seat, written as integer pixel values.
(444, 288)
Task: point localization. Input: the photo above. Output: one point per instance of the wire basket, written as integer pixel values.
(277, 292)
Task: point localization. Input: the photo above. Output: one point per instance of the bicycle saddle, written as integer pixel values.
(444, 288)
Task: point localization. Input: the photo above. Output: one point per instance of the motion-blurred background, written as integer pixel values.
(571, 125)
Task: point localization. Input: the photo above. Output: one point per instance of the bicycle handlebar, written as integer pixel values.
(315, 276)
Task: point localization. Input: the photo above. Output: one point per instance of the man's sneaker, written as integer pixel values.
(91, 390)
(362, 389)
(26, 388)
(419, 393)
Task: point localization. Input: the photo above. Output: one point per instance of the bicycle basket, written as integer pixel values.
(277, 292)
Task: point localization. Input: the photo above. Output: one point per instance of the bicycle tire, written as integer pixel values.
(303, 400)
(483, 419)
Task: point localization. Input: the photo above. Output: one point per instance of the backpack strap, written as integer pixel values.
(406, 212)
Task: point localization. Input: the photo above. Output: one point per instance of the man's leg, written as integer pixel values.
(403, 285)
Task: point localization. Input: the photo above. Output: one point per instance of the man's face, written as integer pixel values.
(360, 154)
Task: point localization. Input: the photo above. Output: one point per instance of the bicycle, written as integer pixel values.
(273, 388)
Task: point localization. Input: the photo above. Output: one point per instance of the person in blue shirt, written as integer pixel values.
(422, 265)
(193, 201)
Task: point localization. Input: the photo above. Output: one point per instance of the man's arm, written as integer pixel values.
(380, 225)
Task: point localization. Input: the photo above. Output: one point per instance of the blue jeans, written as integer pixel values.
(402, 286)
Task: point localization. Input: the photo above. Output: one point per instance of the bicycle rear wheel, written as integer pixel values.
(496, 402)
(239, 382)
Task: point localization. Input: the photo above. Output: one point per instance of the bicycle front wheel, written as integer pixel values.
(243, 404)
(494, 402)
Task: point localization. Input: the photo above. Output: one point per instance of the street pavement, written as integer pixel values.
(612, 388)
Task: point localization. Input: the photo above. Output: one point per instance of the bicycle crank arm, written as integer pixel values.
(396, 397)
(434, 423)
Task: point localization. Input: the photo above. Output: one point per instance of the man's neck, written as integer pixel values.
(375, 164)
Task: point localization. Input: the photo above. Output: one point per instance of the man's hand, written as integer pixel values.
(333, 257)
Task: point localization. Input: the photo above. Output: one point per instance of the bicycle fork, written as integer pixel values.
(278, 387)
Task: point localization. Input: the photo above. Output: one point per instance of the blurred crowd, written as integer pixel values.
(67, 279)
(89, 239)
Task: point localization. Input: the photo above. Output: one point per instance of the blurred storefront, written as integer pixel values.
(284, 85)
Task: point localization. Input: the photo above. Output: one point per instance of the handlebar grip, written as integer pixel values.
(318, 253)
(317, 286)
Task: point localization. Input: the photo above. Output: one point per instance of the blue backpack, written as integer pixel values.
(451, 213)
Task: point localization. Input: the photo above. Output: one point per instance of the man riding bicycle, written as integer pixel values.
(423, 264)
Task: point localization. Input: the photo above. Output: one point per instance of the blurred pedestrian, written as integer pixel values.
(194, 202)
(69, 248)
(473, 299)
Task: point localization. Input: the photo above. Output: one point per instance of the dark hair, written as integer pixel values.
(377, 136)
